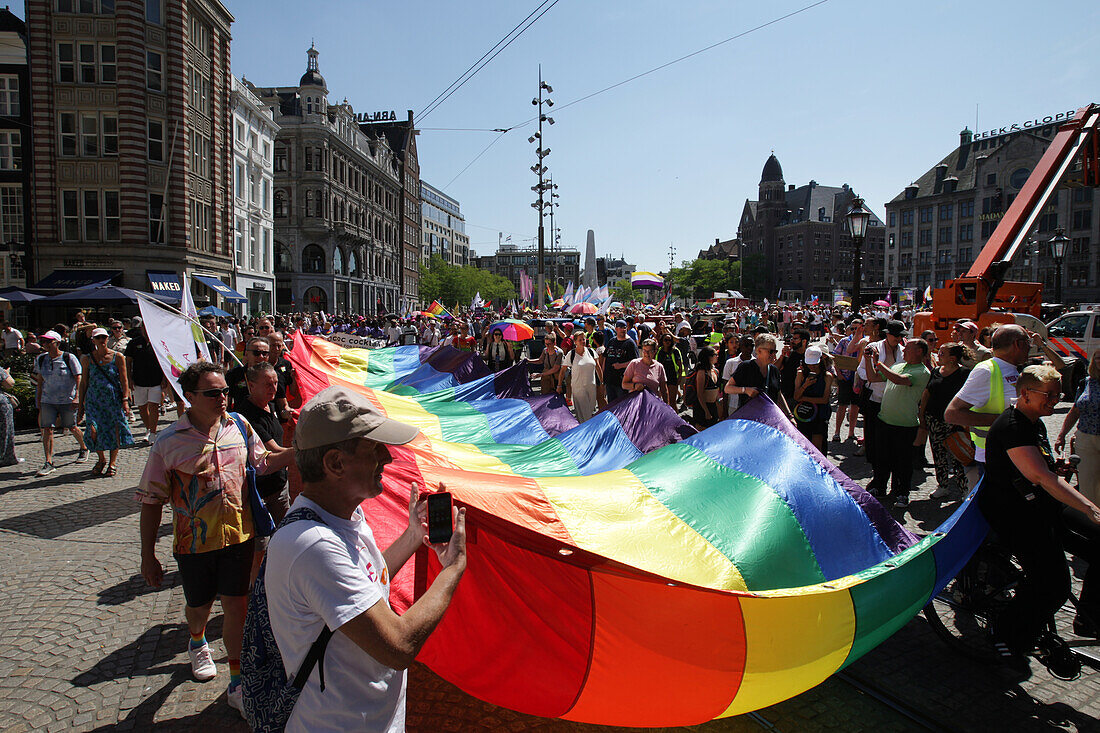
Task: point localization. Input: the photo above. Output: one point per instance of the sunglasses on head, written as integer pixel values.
(213, 392)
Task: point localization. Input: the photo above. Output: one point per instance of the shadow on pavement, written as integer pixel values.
(60, 520)
(133, 588)
(145, 655)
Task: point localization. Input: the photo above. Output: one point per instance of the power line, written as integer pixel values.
(479, 65)
(483, 152)
(665, 65)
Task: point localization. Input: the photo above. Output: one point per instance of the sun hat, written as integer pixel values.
(336, 414)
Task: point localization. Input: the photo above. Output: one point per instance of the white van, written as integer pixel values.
(1076, 335)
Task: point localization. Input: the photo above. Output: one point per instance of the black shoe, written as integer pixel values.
(1084, 627)
(1057, 657)
(1016, 665)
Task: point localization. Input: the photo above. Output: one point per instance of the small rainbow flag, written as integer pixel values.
(438, 310)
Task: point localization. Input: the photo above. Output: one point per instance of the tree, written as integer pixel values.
(623, 293)
(451, 284)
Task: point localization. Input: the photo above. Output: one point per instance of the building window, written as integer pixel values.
(66, 63)
(1048, 222)
(107, 64)
(200, 36)
(946, 211)
(925, 237)
(925, 214)
(67, 128)
(265, 264)
(156, 140)
(200, 91)
(265, 200)
(11, 151)
(70, 216)
(109, 126)
(252, 249)
(280, 158)
(966, 208)
(966, 232)
(87, 63)
(945, 235)
(280, 205)
(89, 135)
(91, 216)
(154, 11)
(987, 229)
(1082, 219)
(907, 217)
(11, 213)
(313, 259)
(9, 96)
(200, 154)
(87, 7)
(154, 71)
(309, 203)
(156, 218)
(200, 226)
(238, 180)
(238, 242)
(112, 216)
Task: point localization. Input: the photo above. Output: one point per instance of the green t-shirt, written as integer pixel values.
(900, 403)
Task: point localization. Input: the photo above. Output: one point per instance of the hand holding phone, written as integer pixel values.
(440, 518)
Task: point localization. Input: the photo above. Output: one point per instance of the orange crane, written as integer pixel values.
(982, 295)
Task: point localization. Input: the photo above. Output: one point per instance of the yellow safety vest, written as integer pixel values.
(995, 405)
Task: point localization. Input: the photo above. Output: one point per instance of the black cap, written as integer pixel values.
(620, 323)
(895, 328)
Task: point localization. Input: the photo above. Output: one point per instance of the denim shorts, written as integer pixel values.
(56, 416)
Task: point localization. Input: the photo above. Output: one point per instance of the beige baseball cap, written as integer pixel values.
(336, 414)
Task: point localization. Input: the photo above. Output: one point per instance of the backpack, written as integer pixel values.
(268, 696)
(690, 395)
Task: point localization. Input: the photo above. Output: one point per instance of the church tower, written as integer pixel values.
(312, 89)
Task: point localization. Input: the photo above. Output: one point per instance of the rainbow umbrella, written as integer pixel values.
(513, 330)
(583, 309)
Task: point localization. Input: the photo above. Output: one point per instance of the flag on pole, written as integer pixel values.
(172, 339)
(888, 293)
(568, 297)
(187, 307)
(548, 293)
(438, 310)
(928, 293)
(605, 306)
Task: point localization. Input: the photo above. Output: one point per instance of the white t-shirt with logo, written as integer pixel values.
(318, 575)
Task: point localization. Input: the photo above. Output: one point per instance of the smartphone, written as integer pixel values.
(439, 518)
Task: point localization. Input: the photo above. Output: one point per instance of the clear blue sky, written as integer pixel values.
(866, 92)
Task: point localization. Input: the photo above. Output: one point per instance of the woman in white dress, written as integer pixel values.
(582, 366)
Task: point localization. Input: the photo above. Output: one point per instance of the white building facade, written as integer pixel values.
(443, 227)
(254, 130)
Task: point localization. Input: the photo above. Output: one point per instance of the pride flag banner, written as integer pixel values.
(643, 279)
(629, 571)
(438, 310)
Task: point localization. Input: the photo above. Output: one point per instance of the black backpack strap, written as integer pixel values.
(316, 654)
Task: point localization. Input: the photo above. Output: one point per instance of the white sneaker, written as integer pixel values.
(46, 470)
(235, 698)
(202, 663)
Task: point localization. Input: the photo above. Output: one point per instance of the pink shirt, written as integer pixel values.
(651, 375)
(210, 508)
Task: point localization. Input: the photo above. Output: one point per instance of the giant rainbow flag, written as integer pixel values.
(628, 570)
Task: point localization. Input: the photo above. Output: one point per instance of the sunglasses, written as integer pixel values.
(212, 393)
(260, 353)
(116, 328)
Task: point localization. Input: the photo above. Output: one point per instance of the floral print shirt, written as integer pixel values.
(204, 483)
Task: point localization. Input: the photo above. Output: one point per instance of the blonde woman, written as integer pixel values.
(1085, 413)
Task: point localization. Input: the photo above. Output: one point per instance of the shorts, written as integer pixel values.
(223, 572)
(147, 395)
(844, 393)
(56, 416)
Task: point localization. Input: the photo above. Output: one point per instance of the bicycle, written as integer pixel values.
(961, 613)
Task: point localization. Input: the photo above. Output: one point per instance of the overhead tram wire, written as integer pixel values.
(665, 65)
(482, 62)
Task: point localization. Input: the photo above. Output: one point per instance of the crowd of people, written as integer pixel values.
(976, 400)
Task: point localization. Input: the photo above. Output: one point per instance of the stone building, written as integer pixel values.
(254, 131)
(132, 128)
(562, 266)
(401, 135)
(801, 236)
(16, 153)
(338, 203)
(939, 223)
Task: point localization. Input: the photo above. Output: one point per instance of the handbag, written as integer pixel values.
(261, 517)
(961, 446)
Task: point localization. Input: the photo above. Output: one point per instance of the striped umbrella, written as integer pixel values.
(583, 309)
(513, 330)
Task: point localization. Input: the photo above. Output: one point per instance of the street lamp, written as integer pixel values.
(543, 186)
(857, 217)
(1058, 245)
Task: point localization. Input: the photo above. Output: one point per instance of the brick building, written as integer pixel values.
(132, 141)
(16, 153)
(939, 223)
(801, 236)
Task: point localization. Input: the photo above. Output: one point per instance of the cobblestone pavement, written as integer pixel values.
(88, 646)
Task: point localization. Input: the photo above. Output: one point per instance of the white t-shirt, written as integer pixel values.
(583, 367)
(878, 388)
(12, 338)
(228, 337)
(975, 391)
(318, 575)
(727, 371)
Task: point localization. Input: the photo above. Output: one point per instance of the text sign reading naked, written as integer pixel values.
(1027, 125)
(390, 116)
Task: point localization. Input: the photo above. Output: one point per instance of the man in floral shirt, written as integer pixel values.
(197, 466)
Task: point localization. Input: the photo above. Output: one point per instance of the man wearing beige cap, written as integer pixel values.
(326, 571)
